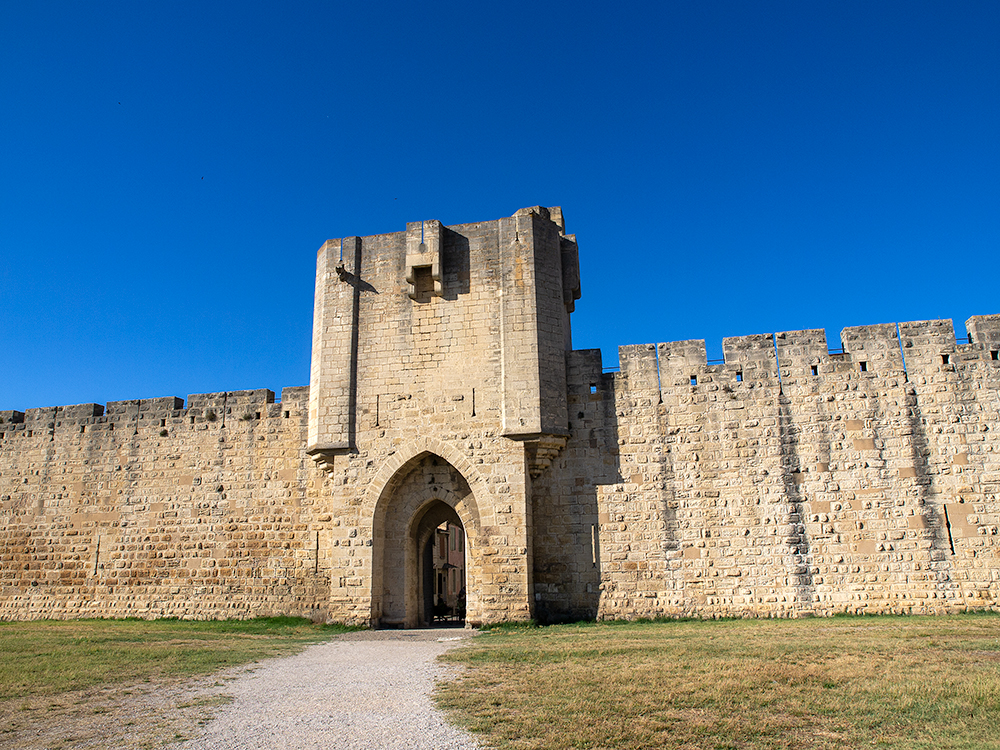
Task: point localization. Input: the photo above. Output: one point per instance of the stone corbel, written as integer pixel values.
(542, 451)
(423, 250)
(323, 459)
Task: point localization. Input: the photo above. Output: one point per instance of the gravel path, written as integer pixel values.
(363, 690)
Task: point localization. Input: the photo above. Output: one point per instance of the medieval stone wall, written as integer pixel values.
(787, 480)
(148, 509)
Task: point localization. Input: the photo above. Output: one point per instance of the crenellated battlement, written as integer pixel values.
(237, 404)
(887, 349)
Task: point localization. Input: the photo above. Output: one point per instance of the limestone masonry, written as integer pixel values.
(787, 480)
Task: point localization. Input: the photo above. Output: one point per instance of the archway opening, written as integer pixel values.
(425, 529)
(441, 544)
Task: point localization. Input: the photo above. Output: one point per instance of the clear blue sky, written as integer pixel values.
(168, 170)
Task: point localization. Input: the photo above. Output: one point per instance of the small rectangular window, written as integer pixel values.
(863, 366)
(739, 376)
(423, 284)
(944, 359)
(694, 380)
(593, 388)
(995, 355)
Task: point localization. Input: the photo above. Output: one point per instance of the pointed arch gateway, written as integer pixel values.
(414, 498)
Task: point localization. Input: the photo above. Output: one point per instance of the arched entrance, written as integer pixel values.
(424, 538)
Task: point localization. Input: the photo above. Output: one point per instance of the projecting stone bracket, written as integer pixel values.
(323, 455)
(542, 451)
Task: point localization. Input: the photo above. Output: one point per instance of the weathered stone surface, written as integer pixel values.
(784, 481)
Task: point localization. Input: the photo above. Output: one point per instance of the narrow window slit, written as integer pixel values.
(815, 369)
(694, 380)
(863, 366)
(739, 376)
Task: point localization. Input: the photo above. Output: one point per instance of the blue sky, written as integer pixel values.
(170, 169)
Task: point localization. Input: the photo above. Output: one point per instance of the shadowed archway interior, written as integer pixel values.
(427, 498)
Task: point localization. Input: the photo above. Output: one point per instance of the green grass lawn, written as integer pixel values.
(47, 657)
(845, 682)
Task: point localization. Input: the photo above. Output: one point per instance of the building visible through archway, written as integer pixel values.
(444, 575)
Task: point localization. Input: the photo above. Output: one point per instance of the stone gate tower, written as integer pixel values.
(437, 392)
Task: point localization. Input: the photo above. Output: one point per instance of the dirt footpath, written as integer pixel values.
(368, 689)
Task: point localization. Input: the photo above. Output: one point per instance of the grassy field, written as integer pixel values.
(846, 682)
(50, 657)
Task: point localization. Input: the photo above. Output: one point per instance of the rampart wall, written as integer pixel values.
(786, 480)
(151, 509)
(866, 480)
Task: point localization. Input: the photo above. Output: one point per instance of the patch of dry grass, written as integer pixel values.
(891, 682)
(128, 684)
(48, 657)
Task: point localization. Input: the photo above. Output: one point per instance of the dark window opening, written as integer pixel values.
(423, 284)
(694, 380)
(863, 366)
(286, 415)
(739, 376)
(163, 423)
(815, 369)
(995, 355)
(944, 359)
